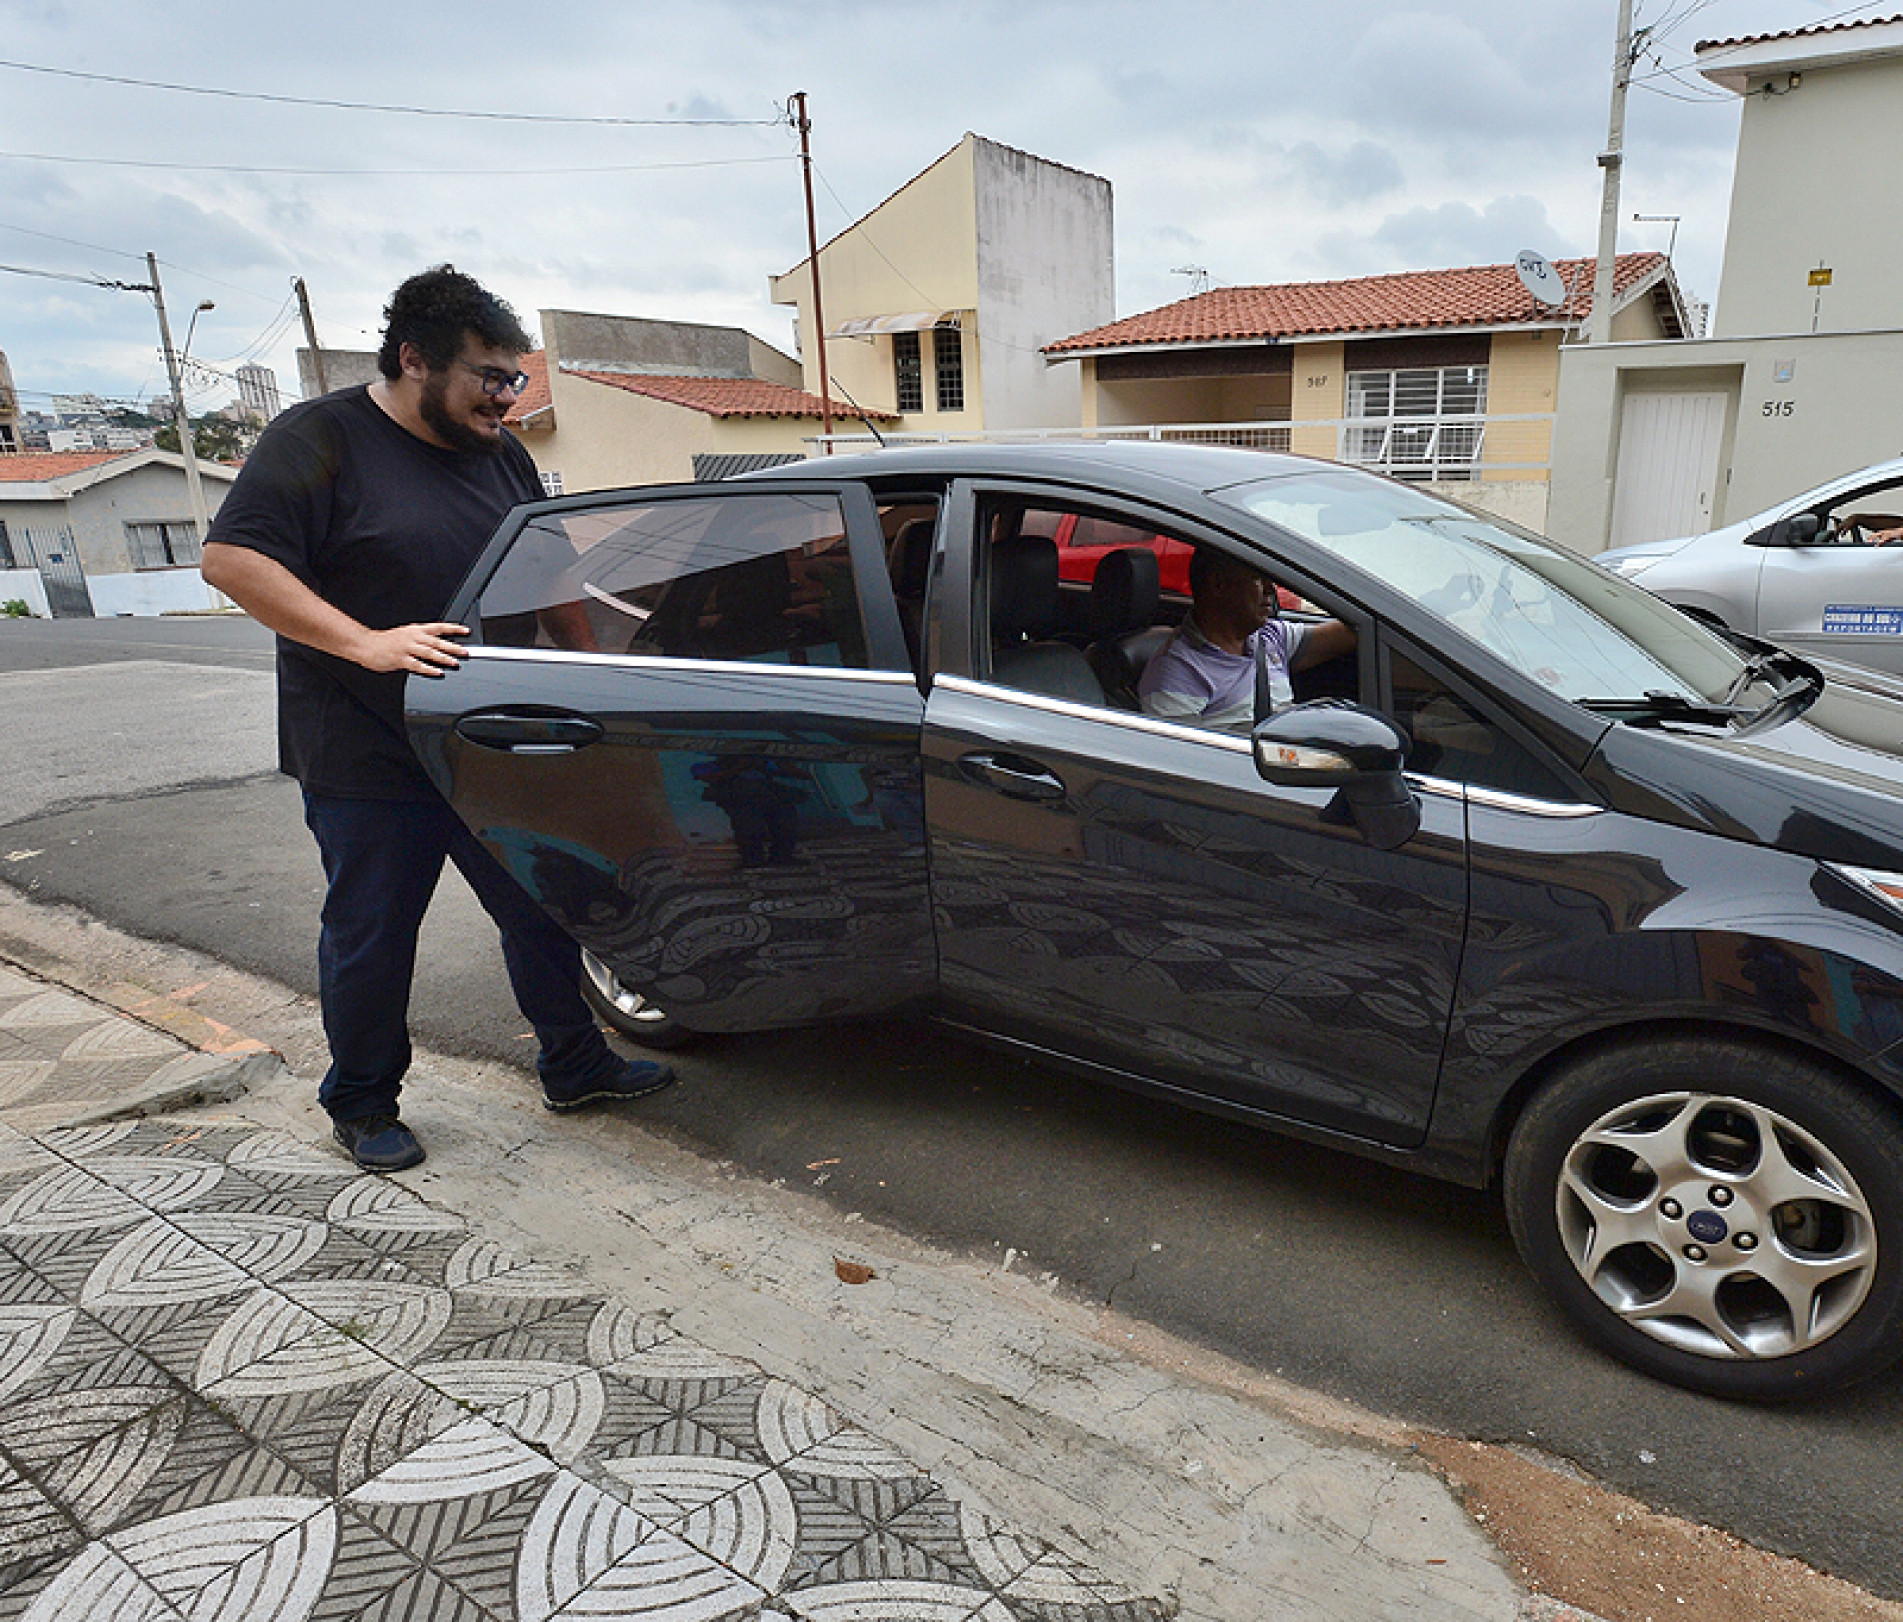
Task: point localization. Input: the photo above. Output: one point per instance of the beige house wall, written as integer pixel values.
(918, 250)
(1319, 391)
(1522, 379)
(605, 437)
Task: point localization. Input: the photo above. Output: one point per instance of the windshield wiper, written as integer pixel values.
(1648, 709)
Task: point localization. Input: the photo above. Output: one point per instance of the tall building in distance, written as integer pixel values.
(9, 409)
(258, 391)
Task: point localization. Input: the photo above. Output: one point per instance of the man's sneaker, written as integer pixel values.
(379, 1143)
(635, 1079)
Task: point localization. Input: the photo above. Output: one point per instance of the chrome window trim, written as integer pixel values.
(647, 661)
(1155, 725)
(1093, 712)
(1445, 788)
(1500, 800)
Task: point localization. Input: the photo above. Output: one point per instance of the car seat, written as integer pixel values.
(909, 562)
(1124, 594)
(1024, 615)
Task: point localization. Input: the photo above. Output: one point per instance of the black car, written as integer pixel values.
(1544, 886)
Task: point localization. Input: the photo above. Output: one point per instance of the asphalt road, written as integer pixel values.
(137, 785)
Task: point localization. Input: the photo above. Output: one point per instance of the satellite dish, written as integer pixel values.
(1539, 278)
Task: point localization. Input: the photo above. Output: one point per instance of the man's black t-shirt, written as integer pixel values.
(384, 526)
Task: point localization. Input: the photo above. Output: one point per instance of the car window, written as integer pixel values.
(1578, 630)
(1453, 738)
(1854, 519)
(759, 578)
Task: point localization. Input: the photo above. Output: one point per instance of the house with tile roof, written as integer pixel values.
(1434, 375)
(103, 532)
(1797, 382)
(619, 400)
(937, 302)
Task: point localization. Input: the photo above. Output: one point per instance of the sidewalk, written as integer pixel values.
(240, 1379)
(562, 1369)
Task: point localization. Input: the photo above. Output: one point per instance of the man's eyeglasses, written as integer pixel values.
(495, 379)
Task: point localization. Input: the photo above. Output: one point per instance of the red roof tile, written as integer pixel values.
(1481, 296)
(536, 396)
(1794, 33)
(33, 467)
(729, 396)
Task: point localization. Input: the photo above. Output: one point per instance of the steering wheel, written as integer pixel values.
(1845, 529)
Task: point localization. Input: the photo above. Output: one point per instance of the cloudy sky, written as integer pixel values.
(643, 166)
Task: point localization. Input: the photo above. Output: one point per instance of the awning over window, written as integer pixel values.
(865, 326)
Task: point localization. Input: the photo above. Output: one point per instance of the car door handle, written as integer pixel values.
(528, 732)
(1013, 775)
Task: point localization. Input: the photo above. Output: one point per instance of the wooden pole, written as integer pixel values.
(804, 125)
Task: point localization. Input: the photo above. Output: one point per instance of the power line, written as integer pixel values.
(261, 169)
(384, 107)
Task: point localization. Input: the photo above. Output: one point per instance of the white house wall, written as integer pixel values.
(1046, 268)
(1837, 410)
(1819, 181)
(98, 514)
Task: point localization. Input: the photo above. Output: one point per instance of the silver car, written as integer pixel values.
(1805, 574)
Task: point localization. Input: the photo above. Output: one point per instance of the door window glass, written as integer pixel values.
(759, 578)
(1453, 739)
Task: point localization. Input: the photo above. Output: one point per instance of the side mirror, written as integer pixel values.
(1332, 744)
(1794, 529)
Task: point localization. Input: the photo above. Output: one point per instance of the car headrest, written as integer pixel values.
(1124, 591)
(1024, 586)
(911, 557)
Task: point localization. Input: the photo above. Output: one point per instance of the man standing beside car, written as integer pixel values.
(348, 530)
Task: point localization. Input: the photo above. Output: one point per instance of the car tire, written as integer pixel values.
(1723, 1216)
(627, 1012)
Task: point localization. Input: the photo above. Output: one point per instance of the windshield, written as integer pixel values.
(1572, 627)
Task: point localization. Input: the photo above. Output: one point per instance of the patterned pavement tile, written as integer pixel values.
(399, 1419)
(371, 1576)
(585, 1553)
(35, 1533)
(421, 1597)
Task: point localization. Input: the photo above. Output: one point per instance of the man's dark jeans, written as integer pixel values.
(382, 859)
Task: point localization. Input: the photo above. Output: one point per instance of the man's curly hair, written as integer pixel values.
(433, 309)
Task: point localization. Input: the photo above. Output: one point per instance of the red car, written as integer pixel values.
(1082, 540)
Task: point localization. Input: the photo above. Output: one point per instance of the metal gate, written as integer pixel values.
(53, 553)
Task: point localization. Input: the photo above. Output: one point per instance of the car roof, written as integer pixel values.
(1115, 464)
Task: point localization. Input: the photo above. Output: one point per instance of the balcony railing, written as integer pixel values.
(1513, 445)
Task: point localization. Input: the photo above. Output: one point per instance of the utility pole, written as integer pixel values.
(193, 489)
(310, 334)
(804, 125)
(1611, 161)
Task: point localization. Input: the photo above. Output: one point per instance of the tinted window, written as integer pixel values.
(756, 577)
(1454, 739)
(1571, 626)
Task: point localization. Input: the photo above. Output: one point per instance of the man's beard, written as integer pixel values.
(458, 436)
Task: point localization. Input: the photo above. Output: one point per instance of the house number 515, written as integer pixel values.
(1780, 408)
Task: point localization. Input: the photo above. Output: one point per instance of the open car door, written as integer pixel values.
(688, 724)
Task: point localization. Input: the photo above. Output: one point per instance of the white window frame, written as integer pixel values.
(1416, 436)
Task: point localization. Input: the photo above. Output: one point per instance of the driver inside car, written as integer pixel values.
(1205, 674)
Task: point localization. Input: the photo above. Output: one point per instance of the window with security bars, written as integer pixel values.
(162, 546)
(908, 371)
(552, 484)
(1419, 422)
(948, 365)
